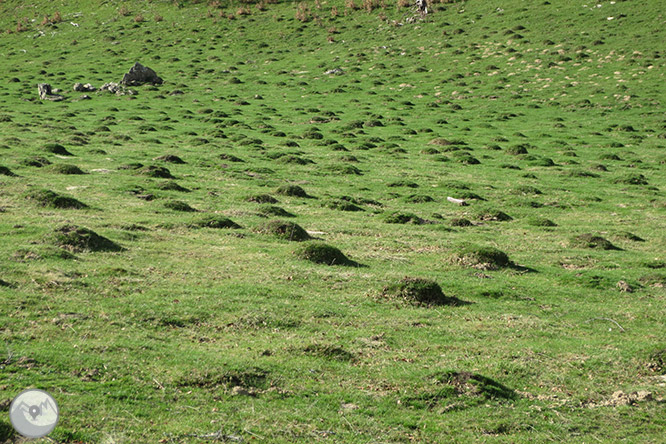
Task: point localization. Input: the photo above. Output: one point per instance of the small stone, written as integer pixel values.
(624, 287)
(139, 74)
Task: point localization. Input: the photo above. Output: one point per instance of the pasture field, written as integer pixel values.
(261, 248)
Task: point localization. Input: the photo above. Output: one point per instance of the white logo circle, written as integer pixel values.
(34, 413)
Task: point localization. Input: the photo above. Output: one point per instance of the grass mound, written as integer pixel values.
(36, 161)
(484, 258)
(77, 239)
(66, 168)
(292, 190)
(398, 217)
(179, 205)
(50, 199)
(214, 221)
(632, 179)
(272, 210)
(4, 171)
(461, 222)
(540, 222)
(56, 148)
(252, 377)
(284, 230)
(170, 158)
(488, 215)
(321, 253)
(172, 186)
(343, 205)
(328, 351)
(262, 198)
(156, 171)
(418, 290)
(588, 240)
(472, 384)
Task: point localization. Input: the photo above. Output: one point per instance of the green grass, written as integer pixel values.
(156, 297)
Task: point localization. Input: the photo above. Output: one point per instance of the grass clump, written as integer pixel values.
(214, 221)
(321, 253)
(51, 199)
(460, 222)
(343, 205)
(172, 186)
(484, 258)
(398, 217)
(291, 190)
(77, 239)
(36, 161)
(284, 230)
(418, 290)
(472, 384)
(493, 215)
(588, 240)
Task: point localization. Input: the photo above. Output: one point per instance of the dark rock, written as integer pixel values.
(139, 74)
(79, 87)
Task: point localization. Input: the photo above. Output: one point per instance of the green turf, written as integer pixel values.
(149, 274)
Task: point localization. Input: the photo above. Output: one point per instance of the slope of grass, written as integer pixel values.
(192, 323)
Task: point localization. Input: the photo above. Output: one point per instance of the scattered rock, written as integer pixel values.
(139, 74)
(335, 71)
(46, 93)
(79, 87)
(624, 287)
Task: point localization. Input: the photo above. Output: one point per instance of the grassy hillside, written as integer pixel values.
(262, 249)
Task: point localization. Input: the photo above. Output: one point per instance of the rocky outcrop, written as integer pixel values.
(139, 74)
(80, 87)
(46, 93)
